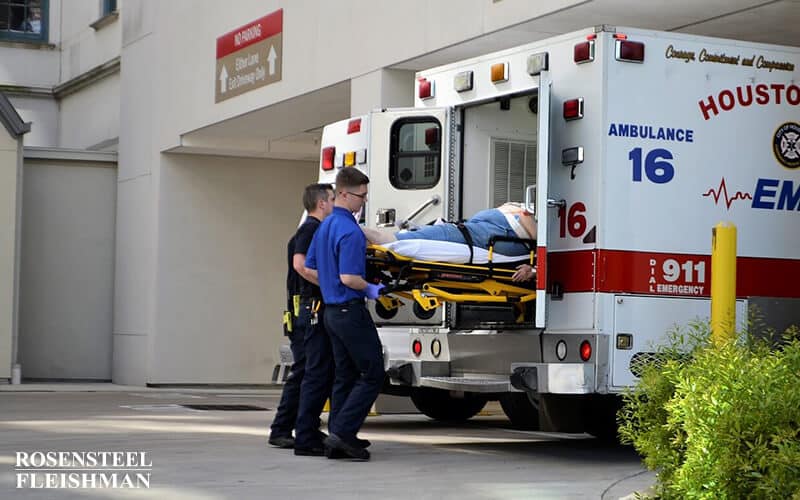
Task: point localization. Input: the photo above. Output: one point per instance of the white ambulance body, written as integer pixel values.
(637, 143)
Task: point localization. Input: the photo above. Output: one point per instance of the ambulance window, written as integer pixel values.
(415, 161)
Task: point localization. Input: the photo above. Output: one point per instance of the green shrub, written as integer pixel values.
(718, 421)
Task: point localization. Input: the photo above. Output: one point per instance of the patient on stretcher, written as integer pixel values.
(470, 241)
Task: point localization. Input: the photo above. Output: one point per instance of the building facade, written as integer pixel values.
(170, 142)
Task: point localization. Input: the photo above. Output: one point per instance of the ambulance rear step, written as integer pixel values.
(468, 384)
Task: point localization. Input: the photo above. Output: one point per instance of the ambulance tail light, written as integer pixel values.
(627, 50)
(585, 350)
(354, 126)
(425, 88)
(573, 109)
(584, 52)
(416, 347)
(327, 157)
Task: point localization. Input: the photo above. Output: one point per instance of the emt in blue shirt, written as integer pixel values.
(338, 254)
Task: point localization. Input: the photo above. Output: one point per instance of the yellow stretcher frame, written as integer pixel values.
(430, 284)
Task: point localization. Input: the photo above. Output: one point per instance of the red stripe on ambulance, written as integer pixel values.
(653, 273)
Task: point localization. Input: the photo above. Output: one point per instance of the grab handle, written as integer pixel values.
(432, 201)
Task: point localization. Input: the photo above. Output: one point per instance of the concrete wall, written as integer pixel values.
(84, 47)
(223, 225)
(42, 113)
(90, 117)
(67, 269)
(10, 158)
(320, 39)
(137, 206)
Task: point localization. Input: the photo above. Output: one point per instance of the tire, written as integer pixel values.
(440, 405)
(522, 410)
(603, 424)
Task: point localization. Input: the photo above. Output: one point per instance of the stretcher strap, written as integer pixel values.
(467, 237)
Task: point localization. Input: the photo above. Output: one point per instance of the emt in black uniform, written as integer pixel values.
(311, 377)
(338, 253)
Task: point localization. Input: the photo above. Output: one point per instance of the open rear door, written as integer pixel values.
(409, 174)
(542, 201)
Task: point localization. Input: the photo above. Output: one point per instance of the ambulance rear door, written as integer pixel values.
(408, 172)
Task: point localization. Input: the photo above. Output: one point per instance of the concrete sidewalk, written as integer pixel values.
(219, 454)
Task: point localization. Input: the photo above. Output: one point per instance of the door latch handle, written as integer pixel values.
(551, 203)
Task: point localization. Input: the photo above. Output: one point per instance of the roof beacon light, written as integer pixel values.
(349, 158)
(583, 52)
(338, 160)
(425, 89)
(499, 72)
(361, 156)
(629, 51)
(327, 157)
(537, 63)
(354, 126)
(573, 109)
(462, 81)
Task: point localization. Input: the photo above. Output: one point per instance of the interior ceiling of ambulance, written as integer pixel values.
(291, 130)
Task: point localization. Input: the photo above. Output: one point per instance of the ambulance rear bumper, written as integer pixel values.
(554, 378)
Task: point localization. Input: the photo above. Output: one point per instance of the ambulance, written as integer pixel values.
(628, 145)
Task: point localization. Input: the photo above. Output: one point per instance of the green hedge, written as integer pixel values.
(718, 421)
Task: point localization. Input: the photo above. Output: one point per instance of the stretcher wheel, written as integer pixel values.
(422, 313)
(385, 313)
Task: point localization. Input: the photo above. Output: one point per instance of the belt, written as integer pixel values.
(348, 303)
(310, 299)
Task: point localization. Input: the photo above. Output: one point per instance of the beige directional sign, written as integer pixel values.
(249, 57)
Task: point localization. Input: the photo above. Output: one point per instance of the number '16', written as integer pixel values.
(656, 169)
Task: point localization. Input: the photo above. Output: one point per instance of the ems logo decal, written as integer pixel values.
(786, 145)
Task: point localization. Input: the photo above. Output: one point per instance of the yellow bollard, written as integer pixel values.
(723, 282)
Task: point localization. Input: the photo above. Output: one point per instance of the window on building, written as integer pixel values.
(416, 145)
(108, 6)
(22, 20)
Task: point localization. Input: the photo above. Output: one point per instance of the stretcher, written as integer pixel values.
(460, 274)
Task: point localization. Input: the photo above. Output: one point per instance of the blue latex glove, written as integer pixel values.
(374, 290)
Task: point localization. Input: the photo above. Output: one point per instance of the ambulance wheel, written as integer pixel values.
(522, 410)
(384, 313)
(440, 405)
(603, 421)
(422, 313)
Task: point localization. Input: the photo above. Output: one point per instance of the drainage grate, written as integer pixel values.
(226, 407)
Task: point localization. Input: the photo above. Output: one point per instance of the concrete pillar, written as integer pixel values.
(383, 88)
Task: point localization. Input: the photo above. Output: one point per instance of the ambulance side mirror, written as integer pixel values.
(530, 199)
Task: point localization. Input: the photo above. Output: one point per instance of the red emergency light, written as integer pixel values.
(327, 157)
(354, 126)
(573, 109)
(425, 88)
(583, 52)
(629, 51)
(431, 136)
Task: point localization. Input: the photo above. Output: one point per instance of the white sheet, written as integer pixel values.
(447, 251)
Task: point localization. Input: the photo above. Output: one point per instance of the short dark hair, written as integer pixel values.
(350, 178)
(314, 193)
